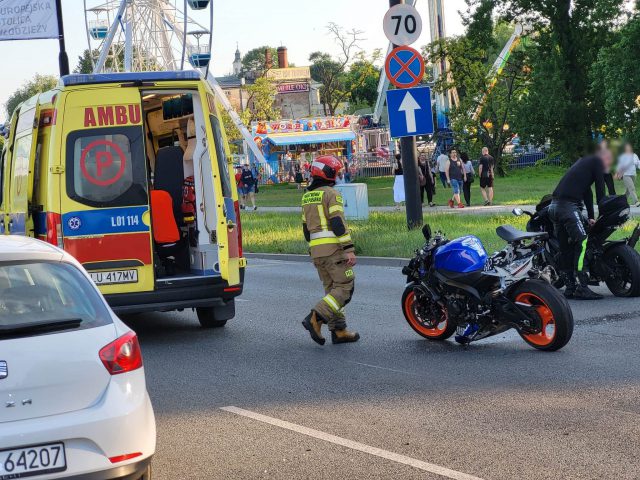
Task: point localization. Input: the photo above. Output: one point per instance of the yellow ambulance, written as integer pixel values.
(130, 173)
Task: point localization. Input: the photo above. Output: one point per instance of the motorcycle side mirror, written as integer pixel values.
(517, 212)
(426, 232)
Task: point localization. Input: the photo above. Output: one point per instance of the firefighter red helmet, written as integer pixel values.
(326, 167)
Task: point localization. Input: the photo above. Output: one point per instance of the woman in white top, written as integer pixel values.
(628, 162)
(398, 183)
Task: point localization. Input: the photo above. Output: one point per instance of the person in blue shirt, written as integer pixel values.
(249, 182)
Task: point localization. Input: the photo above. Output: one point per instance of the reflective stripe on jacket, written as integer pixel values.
(319, 206)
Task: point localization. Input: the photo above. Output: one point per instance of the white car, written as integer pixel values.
(73, 398)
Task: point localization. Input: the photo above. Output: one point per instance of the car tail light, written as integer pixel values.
(236, 207)
(126, 456)
(54, 229)
(122, 355)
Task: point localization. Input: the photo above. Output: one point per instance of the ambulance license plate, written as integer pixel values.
(29, 461)
(115, 276)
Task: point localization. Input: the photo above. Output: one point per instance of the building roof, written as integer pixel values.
(305, 138)
(229, 81)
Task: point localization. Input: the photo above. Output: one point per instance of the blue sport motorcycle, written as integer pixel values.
(454, 286)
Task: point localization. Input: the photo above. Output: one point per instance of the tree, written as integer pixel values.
(255, 61)
(331, 72)
(262, 95)
(39, 84)
(233, 134)
(569, 35)
(615, 77)
(85, 65)
(362, 80)
(486, 110)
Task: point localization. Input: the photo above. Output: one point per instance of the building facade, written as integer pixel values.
(298, 95)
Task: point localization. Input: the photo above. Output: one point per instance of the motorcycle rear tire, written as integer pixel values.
(631, 260)
(553, 309)
(442, 331)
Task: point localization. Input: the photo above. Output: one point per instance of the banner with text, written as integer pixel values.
(28, 19)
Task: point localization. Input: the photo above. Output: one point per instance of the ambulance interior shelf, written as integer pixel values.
(171, 145)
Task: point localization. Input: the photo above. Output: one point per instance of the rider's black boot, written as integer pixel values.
(583, 292)
(569, 280)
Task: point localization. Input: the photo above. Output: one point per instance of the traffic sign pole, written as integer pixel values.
(410, 170)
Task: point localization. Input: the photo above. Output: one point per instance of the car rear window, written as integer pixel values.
(48, 291)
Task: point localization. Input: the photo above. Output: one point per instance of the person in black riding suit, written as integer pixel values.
(574, 191)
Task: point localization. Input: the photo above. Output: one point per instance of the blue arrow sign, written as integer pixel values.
(410, 112)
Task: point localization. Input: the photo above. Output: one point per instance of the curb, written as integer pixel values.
(289, 257)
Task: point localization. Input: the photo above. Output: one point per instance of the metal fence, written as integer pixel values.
(367, 165)
(531, 159)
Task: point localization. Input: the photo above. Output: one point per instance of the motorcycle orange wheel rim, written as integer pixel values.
(415, 323)
(543, 338)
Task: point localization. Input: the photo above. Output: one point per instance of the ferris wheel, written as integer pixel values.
(144, 35)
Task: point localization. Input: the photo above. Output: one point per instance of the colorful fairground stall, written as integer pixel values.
(289, 145)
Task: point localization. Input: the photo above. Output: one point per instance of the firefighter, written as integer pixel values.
(331, 249)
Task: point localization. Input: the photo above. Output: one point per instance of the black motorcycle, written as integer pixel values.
(454, 286)
(614, 262)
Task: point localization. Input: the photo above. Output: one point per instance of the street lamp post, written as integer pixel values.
(63, 58)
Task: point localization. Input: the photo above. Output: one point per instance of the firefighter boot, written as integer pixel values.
(344, 336)
(313, 324)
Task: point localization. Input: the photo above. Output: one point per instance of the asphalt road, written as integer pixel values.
(496, 410)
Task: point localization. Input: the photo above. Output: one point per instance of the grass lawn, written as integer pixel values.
(383, 235)
(522, 187)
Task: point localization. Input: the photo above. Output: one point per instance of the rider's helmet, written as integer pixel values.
(326, 167)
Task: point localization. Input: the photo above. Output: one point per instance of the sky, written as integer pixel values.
(300, 26)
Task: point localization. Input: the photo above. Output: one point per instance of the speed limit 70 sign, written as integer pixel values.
(402, 24)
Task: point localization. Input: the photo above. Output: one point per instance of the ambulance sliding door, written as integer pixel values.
(22, 158)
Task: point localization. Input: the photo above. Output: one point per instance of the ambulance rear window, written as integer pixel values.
(106, 167)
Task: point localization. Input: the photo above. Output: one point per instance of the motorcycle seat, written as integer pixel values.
(512, 234)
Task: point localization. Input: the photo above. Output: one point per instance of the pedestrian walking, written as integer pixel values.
(347, 172)
(427, 182)
(441, 163)
(456, 177)
(298, 176)
(332, 251)
(398, 183)
(240, 187)
(628, 163)
(471, 174)
(486, 167)
(249, 181)
(603, 146)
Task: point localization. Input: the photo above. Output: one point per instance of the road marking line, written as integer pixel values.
(383, 368)
(361, 447)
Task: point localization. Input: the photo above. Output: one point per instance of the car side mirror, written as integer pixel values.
(426, 232)
(517, 212)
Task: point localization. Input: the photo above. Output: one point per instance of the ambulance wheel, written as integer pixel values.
(207, 318)
(216, 317)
